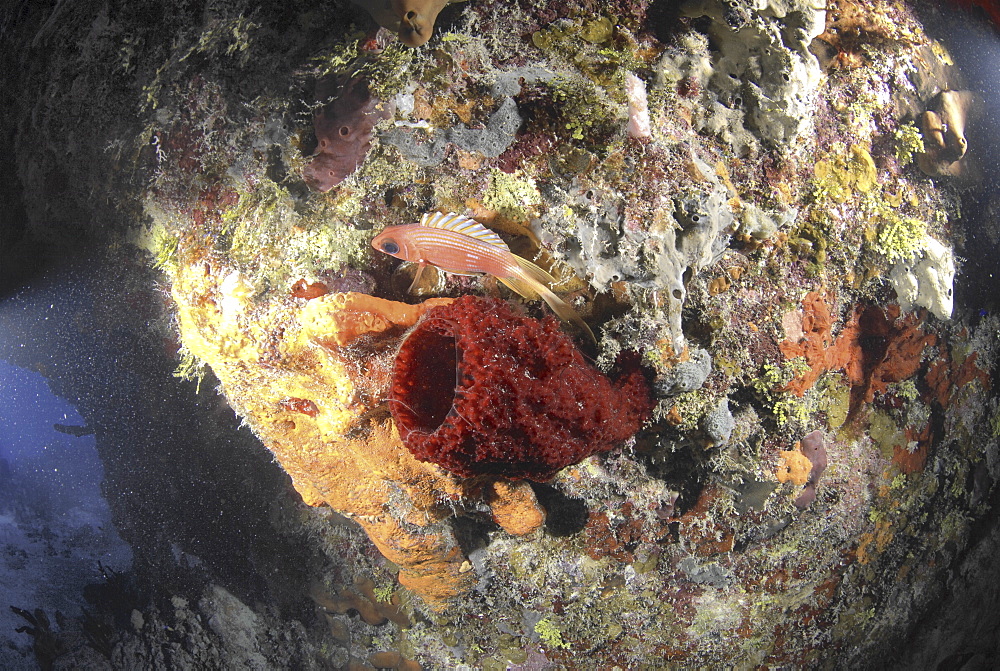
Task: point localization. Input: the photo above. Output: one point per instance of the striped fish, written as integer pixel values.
(463, 246)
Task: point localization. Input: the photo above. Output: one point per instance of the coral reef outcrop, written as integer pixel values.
(753, 232)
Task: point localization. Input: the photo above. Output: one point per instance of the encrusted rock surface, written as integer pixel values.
(770, 250)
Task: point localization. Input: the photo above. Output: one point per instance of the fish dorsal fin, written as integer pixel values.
(464, 225)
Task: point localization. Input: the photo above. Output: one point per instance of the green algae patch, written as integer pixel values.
(387, 71)
(770, 385)
(836, 400)
(512, 195)
(886, 434)
(597, 31)
(550, 634)
(587, 112)
(810, 240)
(160, 244)
(900, 238)
(909, 143)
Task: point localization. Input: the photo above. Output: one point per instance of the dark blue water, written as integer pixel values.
(55, 524)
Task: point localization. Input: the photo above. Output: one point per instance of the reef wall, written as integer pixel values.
(759, 202)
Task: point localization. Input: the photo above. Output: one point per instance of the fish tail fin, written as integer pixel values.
(532, 281)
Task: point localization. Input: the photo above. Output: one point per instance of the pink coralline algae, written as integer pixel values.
(343, 128)
(479, 389)
(814, 448)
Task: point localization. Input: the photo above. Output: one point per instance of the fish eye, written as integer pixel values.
(389, 247)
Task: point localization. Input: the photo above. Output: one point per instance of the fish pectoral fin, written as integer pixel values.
(528, 283)
(416, 277)
(534, 272)
(521, 287)
(420, 269)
